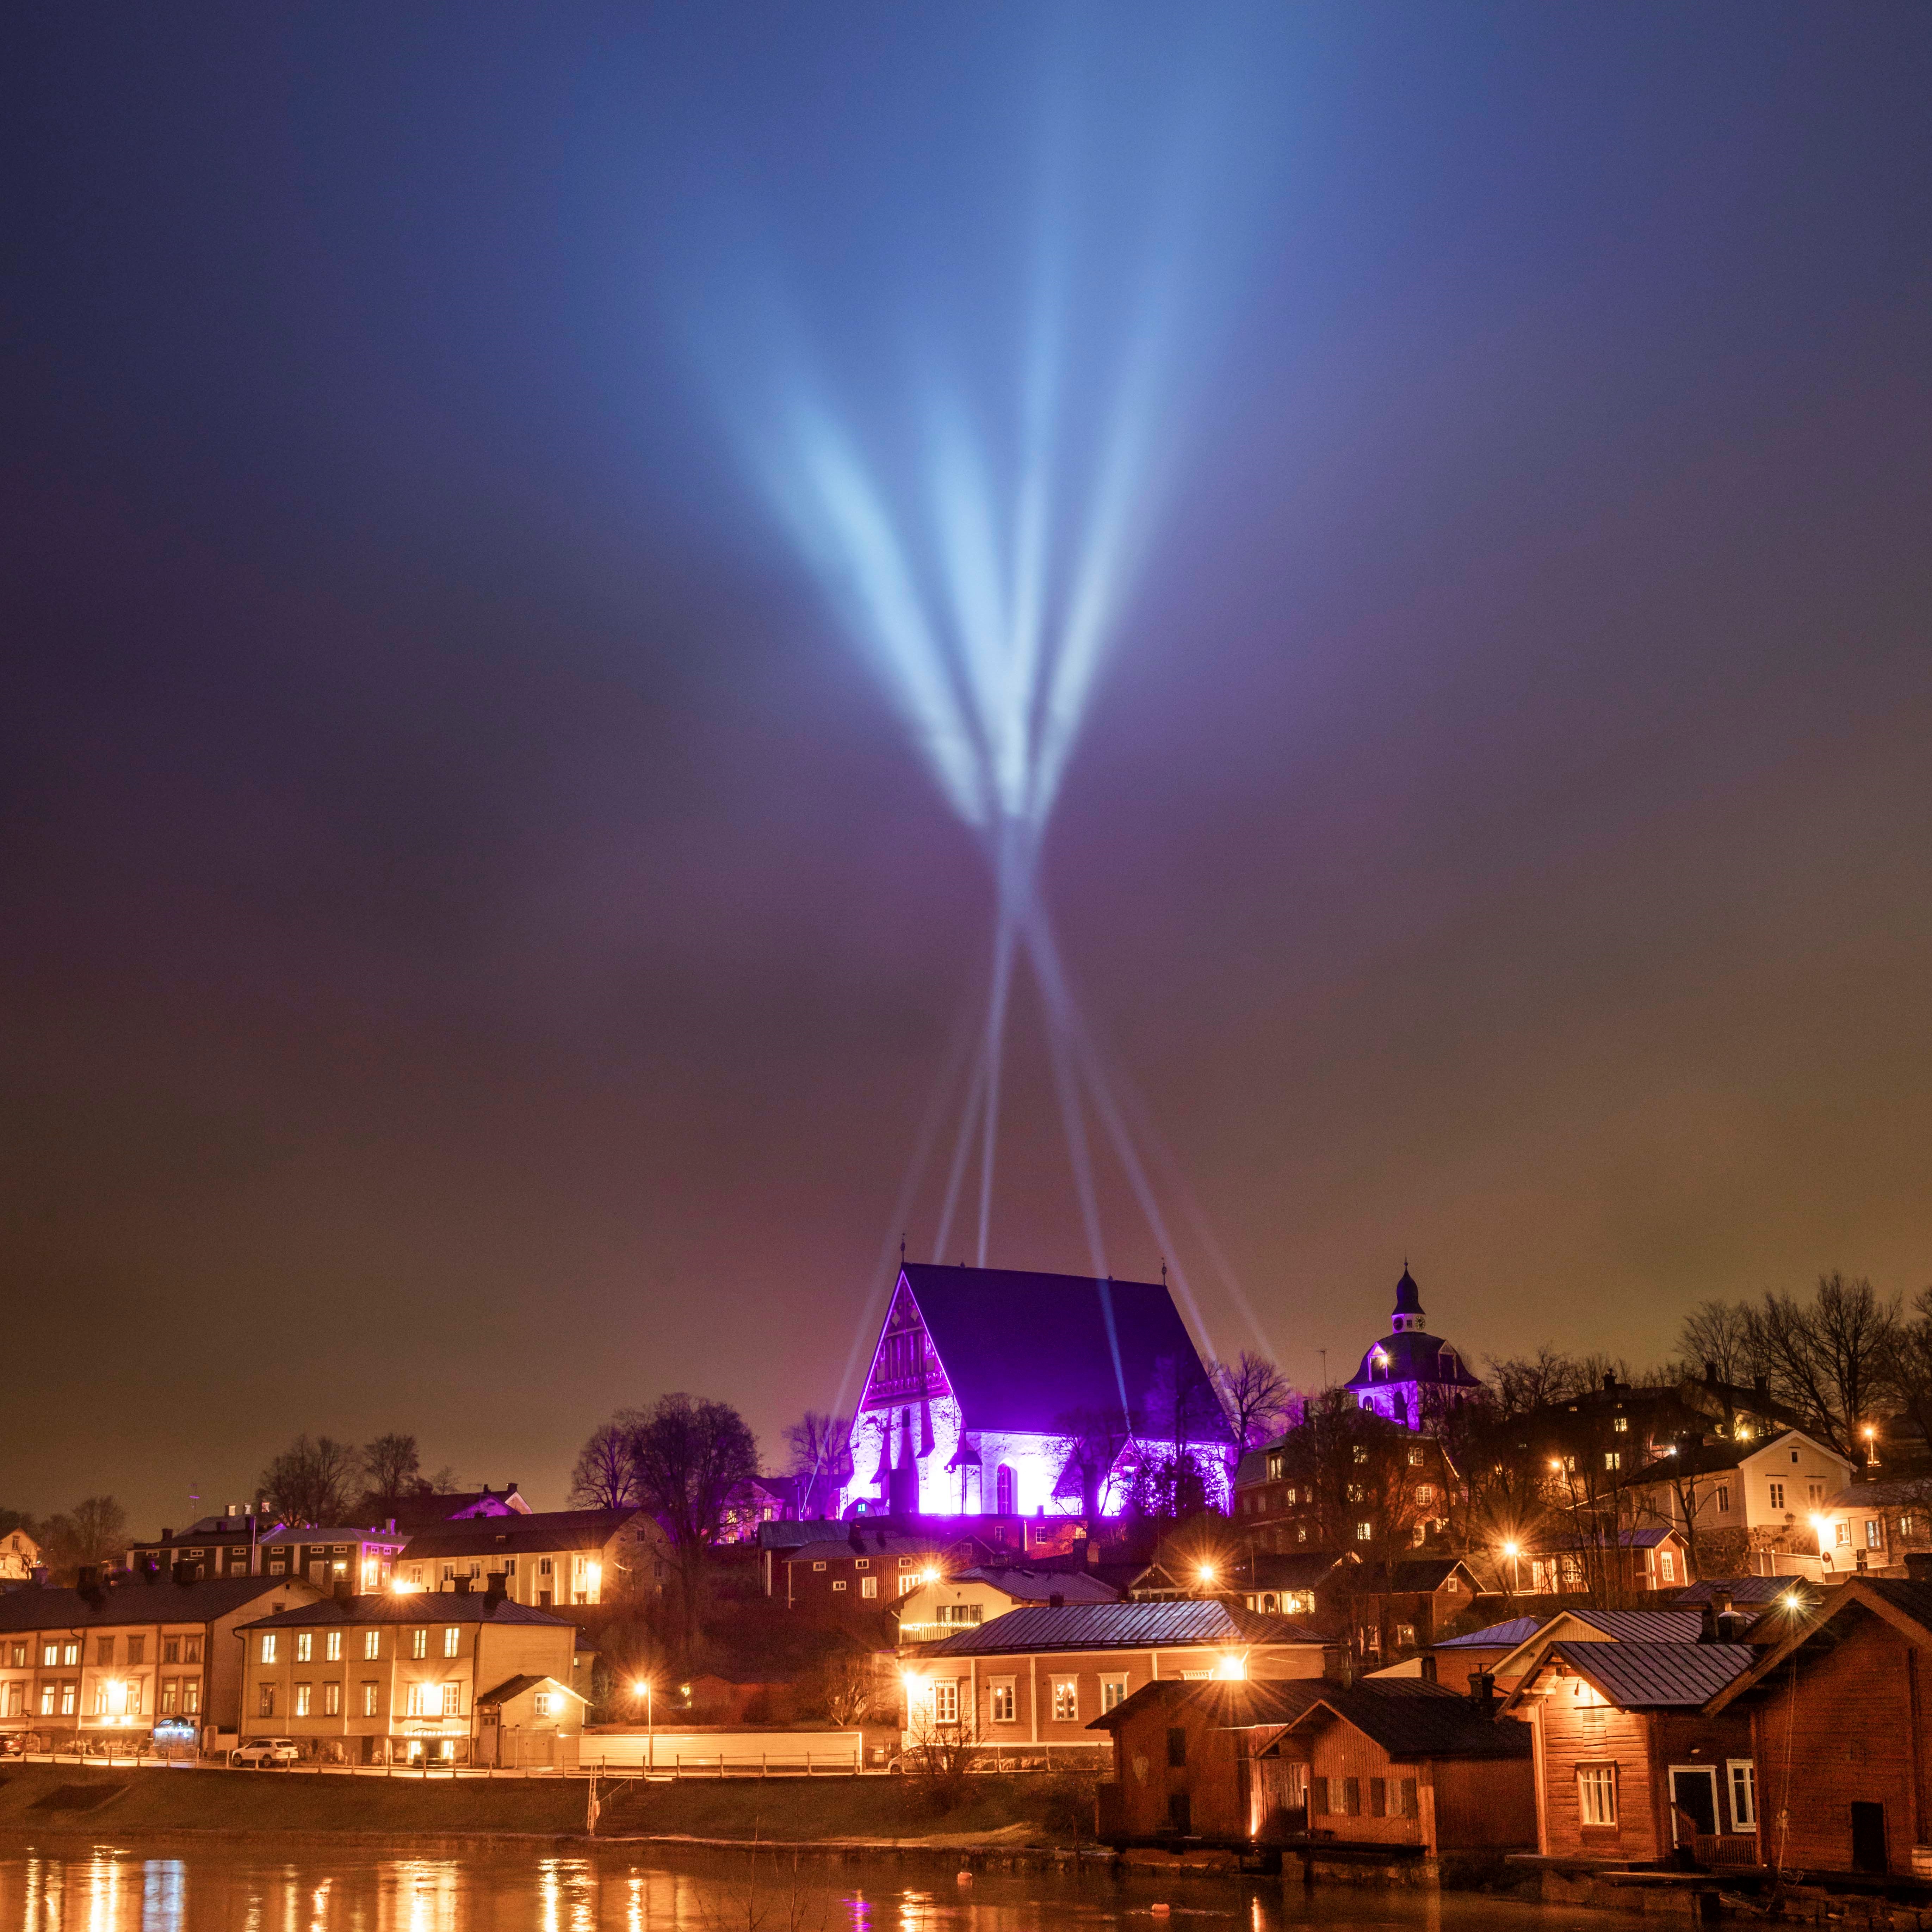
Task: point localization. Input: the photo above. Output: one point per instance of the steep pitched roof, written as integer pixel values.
(1746, 1592)
(1616, 1626)
(1904, 1603)
(515, 1686)
(163, 1601)
(1410, 1717)
(1414, 1576)
(510, 1535)
(1021, 1350)
(1654, 1676)
(1138, 1626)
(1413, 1356)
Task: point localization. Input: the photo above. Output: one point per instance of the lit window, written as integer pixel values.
(869, 1586)
(419, 1643)
(907, 1585)
(1596, 1794)
(452, 1638)
(304, 1646)
(331, 1699)
(1365, 1532)
(372, 1645)
(371, 1693)
(1113, 1693)
(1842, 1539)
(1874, 1533)
(945, 1703)
(541, 1703)
(905, 1562)
(191, 1695)
(332, 1646)
(1004, 1701)
(862, 1563)
(303, 1694)
(169, 1690)
(1667, 1563)
(268, 1705)
(1777, 1495)
(838, 1583)
(1744, 1794)
(1065, 1699)
(268, 1646)
(1620, 1425)
(818, 1566)
(1613, 1459)
(452, 1694)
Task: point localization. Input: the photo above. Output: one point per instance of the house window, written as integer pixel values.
(1301, 1532)
(1620, 1425)
(137, 1649)
(1874, 1533)
(907, 1585)
(170, 1651)
(1596, 1795)
(1274, 1466)
(838, 1583)
(1365, 1532)
(49, 1656)
(541, 1703)
(331, 1646)
(268, 1704)
(191, 1651)
(1743, 1780)
(268, 1646)
(170, 1690)
(1065, 1699)
(1004, 1705)
(372, 1645)
(303, 1693)
(413, 1700)
(1666, 1564)
(818, 1566)
(452, 1700)
(191, 1695)
(371, 1691)
(905, 1562)
(452, 1639)
(1113, 1693)
(419, 1643)
(1777, 1495)
(1613, 1459)
(331, 1699)
(946, 1702)
(869, 1586)
(1842, 1536)
(1404, 1636)
(543, 1566)
(304, 1646)
(862, 1563)
(1723, 1499)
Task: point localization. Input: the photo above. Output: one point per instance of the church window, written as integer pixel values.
(1002, 1491)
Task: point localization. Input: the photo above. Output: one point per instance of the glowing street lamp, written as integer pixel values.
(1231, 1668)
(1206, 1573)
(643, 1688)
(1513, 1551)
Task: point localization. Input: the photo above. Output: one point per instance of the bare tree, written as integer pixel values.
(391, 1473)
(1829, 1358)
(845, 1687)
(603, 1476)
(688, 1456)
(1255, 1396)
(821, 1446)
(1909, 1371)
(1089, 1445)
(94, 1532)
(314, 1482)
(1717, 1336)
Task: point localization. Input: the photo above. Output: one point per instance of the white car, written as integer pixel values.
(259, 1751)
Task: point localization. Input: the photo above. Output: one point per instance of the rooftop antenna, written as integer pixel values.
(1163, 1270)
(1323, 1354)
(902, 1247)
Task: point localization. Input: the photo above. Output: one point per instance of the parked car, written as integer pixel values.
(13, 1744)
(259, 1751)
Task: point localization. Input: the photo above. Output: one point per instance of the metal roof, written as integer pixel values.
(1143, 1626)
(510, 1535)
(410, 1607)
(1657, 1676)
(1505, 1636)
(1410, 1717)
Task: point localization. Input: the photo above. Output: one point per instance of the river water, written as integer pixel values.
(205, 1889)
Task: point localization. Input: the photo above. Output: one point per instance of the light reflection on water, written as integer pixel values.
(231, 1888)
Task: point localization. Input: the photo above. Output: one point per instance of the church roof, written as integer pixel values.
(1413, 1356)
(1407, 1296)
(1022, 1350)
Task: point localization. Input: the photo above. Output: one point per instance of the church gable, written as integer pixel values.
(906, 1367)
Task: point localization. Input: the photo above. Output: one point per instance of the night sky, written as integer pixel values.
(478, 946)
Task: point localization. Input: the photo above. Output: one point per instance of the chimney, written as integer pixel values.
(1761, 1387)
(1057, 1601)
(1609, 1378)
(1720, 1599)
(1707, 1628)
(344, 1589)
(1482, 1692)
(497, 1587)
(183, 1571)
(1710, 1375)
(856, 1537)
(509, 1490)
(167, 1535)
(461, 1585)
(38, 1575)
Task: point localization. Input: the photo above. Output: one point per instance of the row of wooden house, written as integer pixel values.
(1783, 1738)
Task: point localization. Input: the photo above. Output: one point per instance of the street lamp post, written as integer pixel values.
(645, 1688)
(1513, 1551)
